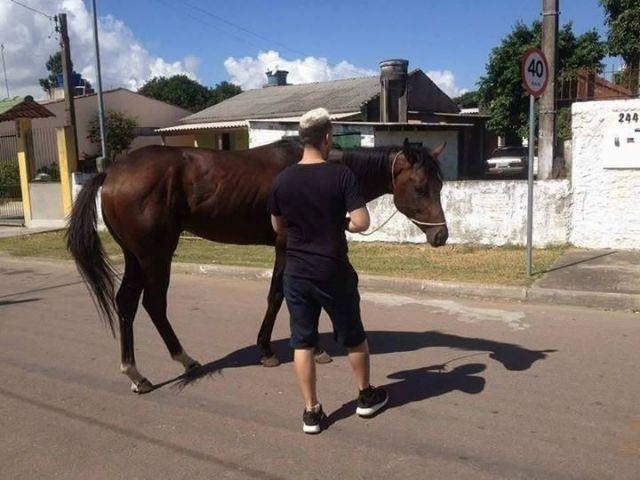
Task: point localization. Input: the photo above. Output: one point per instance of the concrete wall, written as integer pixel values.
(606, 174)
(46, 205)
(486, 213)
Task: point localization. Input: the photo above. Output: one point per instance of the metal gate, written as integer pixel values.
(10, 194)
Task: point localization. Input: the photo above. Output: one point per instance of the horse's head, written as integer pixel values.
(416, 190)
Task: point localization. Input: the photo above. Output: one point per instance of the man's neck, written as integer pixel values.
(312, 155)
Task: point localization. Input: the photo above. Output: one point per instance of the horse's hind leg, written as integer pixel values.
(274, 303)
(127, 300)
(154, 299)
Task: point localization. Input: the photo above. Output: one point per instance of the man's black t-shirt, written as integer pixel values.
(314, 198)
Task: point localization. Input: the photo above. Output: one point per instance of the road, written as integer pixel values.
(478, 390)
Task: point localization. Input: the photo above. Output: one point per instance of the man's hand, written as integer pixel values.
(358, 220)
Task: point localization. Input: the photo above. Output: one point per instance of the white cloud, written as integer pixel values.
(446, 80)
(29, 40)
(249, 72)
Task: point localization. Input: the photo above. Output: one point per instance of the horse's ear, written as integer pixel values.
(405, 144)
(435, 153)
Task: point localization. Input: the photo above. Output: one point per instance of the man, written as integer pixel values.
(309, 203)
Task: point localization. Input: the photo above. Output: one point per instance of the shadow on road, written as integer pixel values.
(512, 357)
(4, 303)
(420, 384)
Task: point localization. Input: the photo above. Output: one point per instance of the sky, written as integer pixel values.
(237, 41)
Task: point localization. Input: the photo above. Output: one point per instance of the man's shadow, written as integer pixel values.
(512, 357)
(420, 384)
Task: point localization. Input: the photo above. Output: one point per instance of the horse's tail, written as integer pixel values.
(86, 248)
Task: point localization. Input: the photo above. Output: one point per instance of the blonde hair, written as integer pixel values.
(314, 125)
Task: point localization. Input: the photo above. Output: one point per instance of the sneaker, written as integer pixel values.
(312, 420)
(371, 400)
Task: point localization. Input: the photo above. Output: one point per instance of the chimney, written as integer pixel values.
(393, 95)
(276, 78)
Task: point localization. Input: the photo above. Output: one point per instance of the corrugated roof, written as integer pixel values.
(21, 107)
(203, 126)
(338, 96)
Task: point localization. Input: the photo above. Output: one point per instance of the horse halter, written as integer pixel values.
(393, 184)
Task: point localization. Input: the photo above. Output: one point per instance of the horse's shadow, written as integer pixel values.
(420, 384)
(512, 357)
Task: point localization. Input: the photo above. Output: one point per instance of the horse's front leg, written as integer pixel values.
(274, 303)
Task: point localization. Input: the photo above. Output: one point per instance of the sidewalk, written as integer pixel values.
(605, 279)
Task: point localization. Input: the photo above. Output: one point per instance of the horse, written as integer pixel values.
(157, 192)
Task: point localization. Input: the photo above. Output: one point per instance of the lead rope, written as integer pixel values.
(393, 184)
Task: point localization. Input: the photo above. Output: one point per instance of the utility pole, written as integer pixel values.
(547, 105)
(4, 69)
(102, 159)
(67, 77)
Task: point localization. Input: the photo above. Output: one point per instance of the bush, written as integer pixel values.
(48, 173)
(9, 172)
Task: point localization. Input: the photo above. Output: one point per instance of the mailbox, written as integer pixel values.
(622, 140)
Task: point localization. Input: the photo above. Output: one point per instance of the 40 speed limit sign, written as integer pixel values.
(534, 71)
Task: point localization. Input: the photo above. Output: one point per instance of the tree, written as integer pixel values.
(184, 92)
(54, 67)
(500, 90)
(467, 99)
(120, 130)
(222, 91)
(622, 18)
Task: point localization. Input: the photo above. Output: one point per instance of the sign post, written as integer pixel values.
(535, 75)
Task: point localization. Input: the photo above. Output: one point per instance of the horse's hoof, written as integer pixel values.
(271, 361)
(193, 366)
(143, 386)
(323, 357)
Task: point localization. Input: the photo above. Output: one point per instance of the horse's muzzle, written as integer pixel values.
(437, 236)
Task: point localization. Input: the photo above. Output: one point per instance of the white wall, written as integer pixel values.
(487, 213)
(263, 133)
(606, 199)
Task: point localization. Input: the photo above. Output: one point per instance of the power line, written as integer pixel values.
(246, 30)
(50, 17)
(208, 24)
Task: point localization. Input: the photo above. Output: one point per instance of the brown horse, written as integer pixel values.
(157, 192)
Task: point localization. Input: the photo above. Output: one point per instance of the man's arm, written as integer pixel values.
(359, 220)
(278, 225)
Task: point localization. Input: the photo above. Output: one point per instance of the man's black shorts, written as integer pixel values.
(338, 297)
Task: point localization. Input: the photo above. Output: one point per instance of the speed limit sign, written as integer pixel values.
(534, 71)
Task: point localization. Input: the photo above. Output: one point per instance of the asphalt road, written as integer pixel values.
(478, 390)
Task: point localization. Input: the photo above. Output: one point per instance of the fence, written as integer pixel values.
(585, 84)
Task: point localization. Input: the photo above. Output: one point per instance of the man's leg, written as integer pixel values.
(359, 360)
(305, 368)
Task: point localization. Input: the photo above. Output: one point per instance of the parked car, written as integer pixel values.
(511, 162)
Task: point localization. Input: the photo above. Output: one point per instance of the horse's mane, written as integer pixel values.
(380, 156)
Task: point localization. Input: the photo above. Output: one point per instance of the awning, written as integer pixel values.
(22, 107)
(192, 127)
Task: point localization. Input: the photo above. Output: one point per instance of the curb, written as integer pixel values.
(600, 300)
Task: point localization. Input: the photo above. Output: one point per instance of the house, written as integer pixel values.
(368, 111)
(150, 114)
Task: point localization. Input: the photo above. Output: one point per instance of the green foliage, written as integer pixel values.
(120, 132)
(467, 99)
(10, 172)
(622, 18)
(54, 67)
(564, 123)
(500, 91)
(184, 92)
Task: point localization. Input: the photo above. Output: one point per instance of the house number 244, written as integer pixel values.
(628, 117)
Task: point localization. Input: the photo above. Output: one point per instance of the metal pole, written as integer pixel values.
(101, 161)
(4, 69)
(532, 124)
